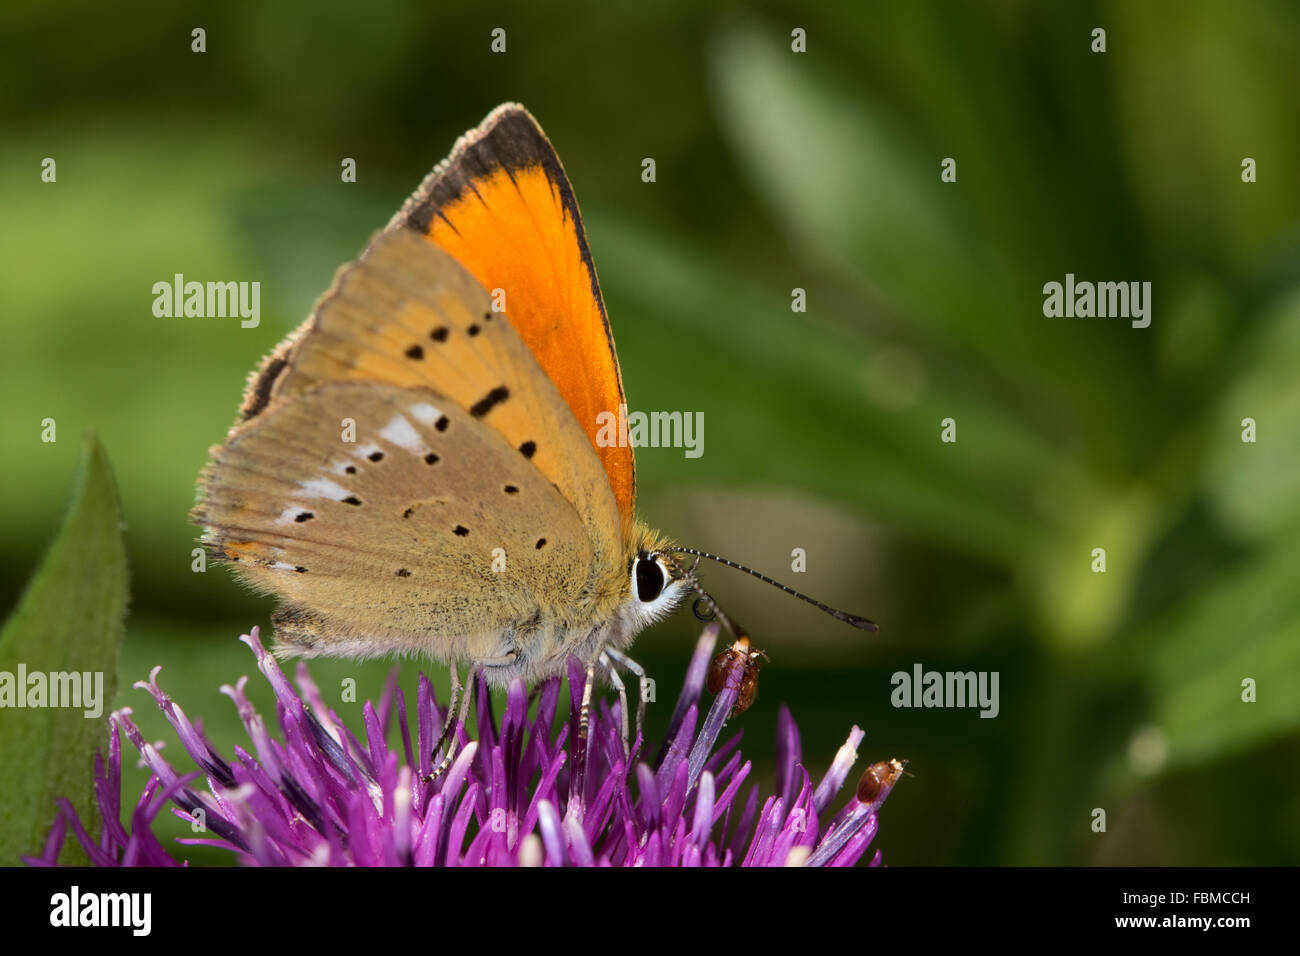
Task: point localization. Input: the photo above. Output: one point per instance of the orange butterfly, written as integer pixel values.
(417, 468)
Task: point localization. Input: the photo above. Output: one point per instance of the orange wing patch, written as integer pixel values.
(502, 206)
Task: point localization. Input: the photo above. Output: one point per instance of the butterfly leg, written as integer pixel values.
(643, 680)
(466, 694)
(447, 724)
(622, 698)
(580, 748)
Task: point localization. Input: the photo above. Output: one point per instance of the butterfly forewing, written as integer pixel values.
(502, 205)
(485, 494)
(408, 314)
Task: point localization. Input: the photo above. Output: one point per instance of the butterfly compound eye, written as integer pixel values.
(650, 579)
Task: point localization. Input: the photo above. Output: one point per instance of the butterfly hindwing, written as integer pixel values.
(502, 205)
(447, 528)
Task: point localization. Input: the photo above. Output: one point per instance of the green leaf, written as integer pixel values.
(1246, 626)
(1251, 486)
(70, 619)
(857, 189)
(847, 184)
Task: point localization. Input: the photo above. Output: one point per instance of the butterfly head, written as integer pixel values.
(658, 580)
(656, 583)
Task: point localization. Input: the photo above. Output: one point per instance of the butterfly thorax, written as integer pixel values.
(609, 613)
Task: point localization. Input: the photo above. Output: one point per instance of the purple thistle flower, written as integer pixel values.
(319, 795)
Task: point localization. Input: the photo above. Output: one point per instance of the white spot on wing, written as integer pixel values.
(365, 451)
(424, 413)
(323, 488)
(288, 515)
(402, 433)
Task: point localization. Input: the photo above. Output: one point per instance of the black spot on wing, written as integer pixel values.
(489, 401)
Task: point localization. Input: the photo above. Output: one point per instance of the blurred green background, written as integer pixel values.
(775, 170)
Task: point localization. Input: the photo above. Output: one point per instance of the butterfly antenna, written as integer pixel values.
(859, 622)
